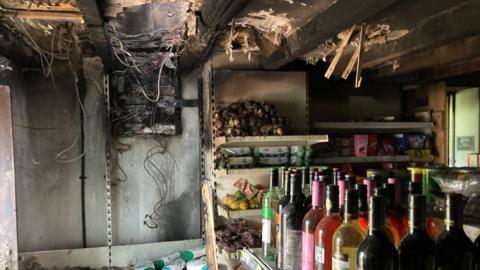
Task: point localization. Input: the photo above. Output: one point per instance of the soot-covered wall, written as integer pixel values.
(47, 121)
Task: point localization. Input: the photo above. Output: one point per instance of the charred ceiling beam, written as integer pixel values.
(341, 15)
(42, 15)
(427, 29)
(440, 56)
(14, 47)
(461, 68)
(93, 17)
(215, 15)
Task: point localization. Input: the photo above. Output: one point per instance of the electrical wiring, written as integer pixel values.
(160, 177)
(60, 157)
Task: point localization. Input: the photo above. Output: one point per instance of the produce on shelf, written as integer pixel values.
(247, 196)
(236, 234)
(249, 118)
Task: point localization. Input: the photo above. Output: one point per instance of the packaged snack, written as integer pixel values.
(271, 151)
(274, 161)
(360, 143)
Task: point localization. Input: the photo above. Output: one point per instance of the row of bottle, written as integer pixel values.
(309, 232)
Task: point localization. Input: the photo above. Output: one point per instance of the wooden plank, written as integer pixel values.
(211, 246)
(339, 52)
(252, 141)
(339, 16)
(8, 216)
(43, 15)
(218, 15)
(437, 29)
(451, 53)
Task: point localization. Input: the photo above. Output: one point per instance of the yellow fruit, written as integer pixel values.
(253, 204)
(234, 205)
(244, 205)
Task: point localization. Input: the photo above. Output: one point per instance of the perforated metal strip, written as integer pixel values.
(108, 169)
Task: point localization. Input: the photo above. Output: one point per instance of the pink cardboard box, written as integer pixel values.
(360, 145)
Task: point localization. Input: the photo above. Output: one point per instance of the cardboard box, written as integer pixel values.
(360, 145)
(474, 160)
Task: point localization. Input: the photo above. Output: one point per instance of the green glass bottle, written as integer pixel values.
(269, 213)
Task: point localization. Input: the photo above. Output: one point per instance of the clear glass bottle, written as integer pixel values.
(348, 236)
(269, 211)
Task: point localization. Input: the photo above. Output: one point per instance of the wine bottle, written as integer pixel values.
(454, 249)
(348, 236)
(269, 209)
(351, 181)
(377, 252)
(362, 206)
(306, 181)
(278, 220)
(391, 232)
(394, 214)
(417, 249)
(341, 195)
(310, 221)
(371, 184)
(435, 226)
(313, 176)
(325, 230)
(291, 225)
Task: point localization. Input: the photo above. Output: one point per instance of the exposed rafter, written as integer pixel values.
(338, 17)
(428, 30)
(215, 15)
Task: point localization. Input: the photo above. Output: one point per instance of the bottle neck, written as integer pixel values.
(454, 212)
(351, 206)
(295, 186)
(377, 215)
(331, 203)
(273, 179)
(286, 186)
(417, 213)
(318, 189)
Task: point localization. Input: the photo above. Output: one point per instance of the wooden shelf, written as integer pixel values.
(376, 127)
(250, 171)
(289, 140)
(371, 159)
(238, 213)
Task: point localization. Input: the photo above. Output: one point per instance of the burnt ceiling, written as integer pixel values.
(350, 35)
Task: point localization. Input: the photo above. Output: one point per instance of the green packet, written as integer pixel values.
(235, 151)
(271, 151)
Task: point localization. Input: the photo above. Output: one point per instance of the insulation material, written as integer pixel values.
(375, 35)
(267, 22)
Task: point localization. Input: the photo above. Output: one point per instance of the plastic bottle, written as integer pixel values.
(189, 255)
(198, 264)
(177, 264)
(160, 263)
(142, 264)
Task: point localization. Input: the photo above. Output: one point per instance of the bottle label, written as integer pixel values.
(308, 251)
(344, 260)
(266, 231)
(292, 249)
(320, 257)
(278, 239)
